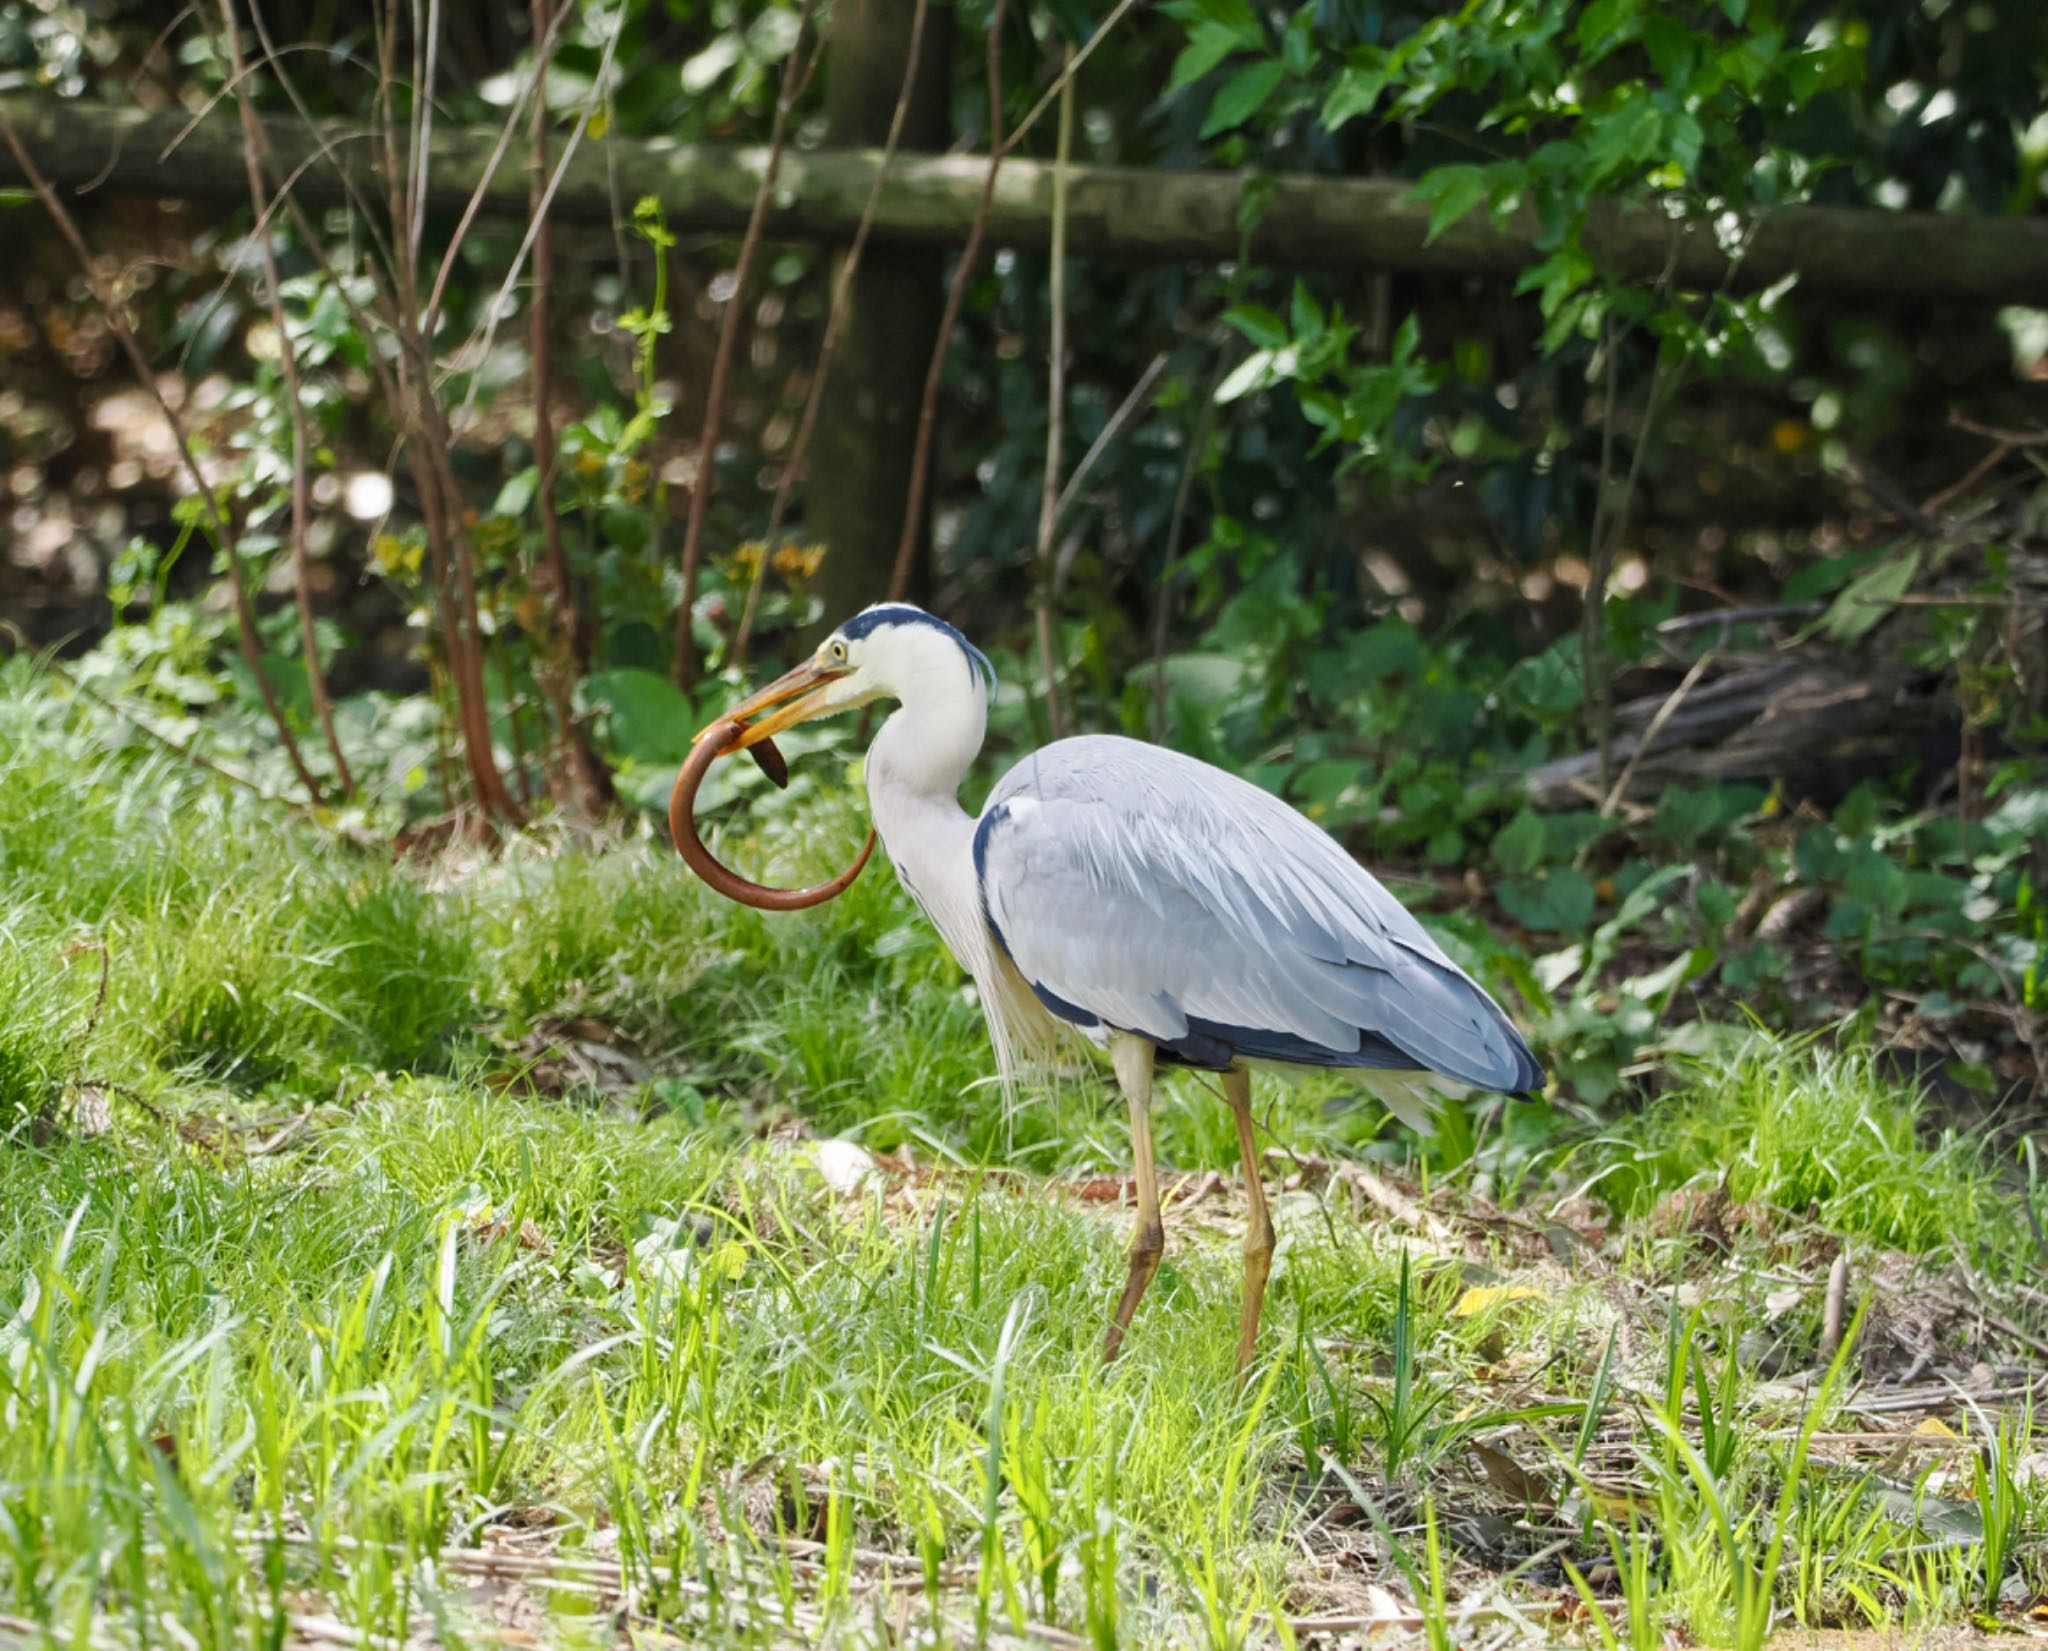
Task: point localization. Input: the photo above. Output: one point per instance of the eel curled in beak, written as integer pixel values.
(789, 700)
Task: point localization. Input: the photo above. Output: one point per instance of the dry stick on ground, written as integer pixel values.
(835, 321)
(295, 403)
(124, 335)
(956, 296)
(796, 75)
(564, 654)
(1056, 405)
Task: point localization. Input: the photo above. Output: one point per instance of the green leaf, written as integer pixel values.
(1305, 315)
(1297, 42)
(650, 718)
(1868, 598)
(1208, 46)
(1356, 93)
(1518, 845)
(1606, 23)
(1258, 324)
(1562, 902)
(1243, 95)
(516, 497)
(1235, 17)
(1672, 48)
(1453, 192)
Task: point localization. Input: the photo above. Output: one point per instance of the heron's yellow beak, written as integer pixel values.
(787, 701)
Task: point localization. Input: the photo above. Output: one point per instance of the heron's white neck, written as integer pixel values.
(914, 770)
(922, 753)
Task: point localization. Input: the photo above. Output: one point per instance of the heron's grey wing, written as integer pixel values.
(1140, 889)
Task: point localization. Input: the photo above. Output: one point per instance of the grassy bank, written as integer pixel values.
(445, 1250)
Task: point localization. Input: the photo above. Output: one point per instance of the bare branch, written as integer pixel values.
(1056, 405)
(124, 335)
(1071, 67)
(796, 75)
(563, 652)
(956, 296)
(295, 406)
(531, 96)
(1182, 494)
(835, 322)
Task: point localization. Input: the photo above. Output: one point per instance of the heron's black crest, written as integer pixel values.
(886, 614)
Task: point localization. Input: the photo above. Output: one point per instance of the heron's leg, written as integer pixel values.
(1133, 1060)
(1258, 1233)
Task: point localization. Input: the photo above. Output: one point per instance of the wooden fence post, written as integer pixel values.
(858, 471)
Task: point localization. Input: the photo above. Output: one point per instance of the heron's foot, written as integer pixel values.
(1147, 1246)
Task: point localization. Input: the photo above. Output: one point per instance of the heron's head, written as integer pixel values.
(890, 651)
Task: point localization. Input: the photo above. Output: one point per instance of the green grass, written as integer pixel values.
(1808, 1130)
(347, 1293)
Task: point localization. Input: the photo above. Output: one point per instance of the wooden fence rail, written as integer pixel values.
(1114, 212)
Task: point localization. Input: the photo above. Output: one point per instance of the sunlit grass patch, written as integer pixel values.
(1817, 1131)
(39, 1018)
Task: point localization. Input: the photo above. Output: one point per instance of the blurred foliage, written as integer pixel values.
(1342, 540)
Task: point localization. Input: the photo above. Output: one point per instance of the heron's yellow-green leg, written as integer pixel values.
(1133, 1060)
(1258, 1232)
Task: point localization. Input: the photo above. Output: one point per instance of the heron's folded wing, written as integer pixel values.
(1159, 895)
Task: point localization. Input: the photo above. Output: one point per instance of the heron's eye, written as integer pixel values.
(839, 653)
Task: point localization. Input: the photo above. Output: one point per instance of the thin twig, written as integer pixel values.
(531, 96)
(362, 218)
(956, 296)
(1056, 406)
(477, 347)
(295, 407)
(796, 75)
(1138, 398)
(1071, 68)
(124, 335)
(1665, 712)
(1832, 1316)
(1592, 678)
(1935, 503)
(2007, 438)
(564, 653)
(835, 322)
(1163, 604)
(427, 444)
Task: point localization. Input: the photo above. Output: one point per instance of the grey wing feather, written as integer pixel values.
(1140, 888)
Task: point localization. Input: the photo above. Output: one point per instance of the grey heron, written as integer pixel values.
(1154, 905)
